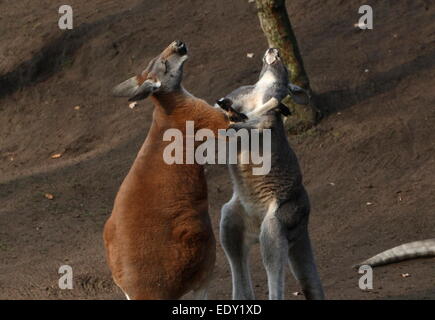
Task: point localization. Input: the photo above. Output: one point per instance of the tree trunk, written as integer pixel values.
(276, 26)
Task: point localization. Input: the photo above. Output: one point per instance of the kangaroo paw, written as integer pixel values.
(236, 116)
(283, 110)
(224, 103)
(233, 115)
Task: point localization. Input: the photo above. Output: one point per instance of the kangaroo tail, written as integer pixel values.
(411, 250)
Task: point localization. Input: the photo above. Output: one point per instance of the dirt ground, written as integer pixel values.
(369, 166)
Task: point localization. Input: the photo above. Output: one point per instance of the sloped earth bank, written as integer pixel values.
(369, 166)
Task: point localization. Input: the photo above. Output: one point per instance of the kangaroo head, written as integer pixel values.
(273, 66)
(274, 70)
(163, 74)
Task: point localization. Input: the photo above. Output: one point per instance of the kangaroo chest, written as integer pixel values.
(253, 191)
(256, 97)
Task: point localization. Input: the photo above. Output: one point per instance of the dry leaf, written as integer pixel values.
(56, 156)
(77, 108)
(49, 196)
(399, 195)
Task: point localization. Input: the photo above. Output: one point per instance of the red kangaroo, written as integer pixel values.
(159, 240)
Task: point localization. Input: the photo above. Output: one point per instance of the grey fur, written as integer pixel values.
(271, 209)
(298, 94)
(411, 250)
(130, 88)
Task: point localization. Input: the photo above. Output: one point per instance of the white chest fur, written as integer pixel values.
(253, 101)
(256, 213)
(261, 88)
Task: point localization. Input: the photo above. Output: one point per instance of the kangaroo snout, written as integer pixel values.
(180, 47)
(271, 55)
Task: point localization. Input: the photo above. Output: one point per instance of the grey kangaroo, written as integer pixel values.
(271, 209)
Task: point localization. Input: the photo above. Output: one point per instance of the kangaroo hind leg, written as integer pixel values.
(303, 267)
(274, 248)
(236, 244)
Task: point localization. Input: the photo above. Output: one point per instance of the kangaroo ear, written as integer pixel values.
(135, 89)
(299, 95)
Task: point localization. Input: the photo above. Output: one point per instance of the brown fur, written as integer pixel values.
(159, 239)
